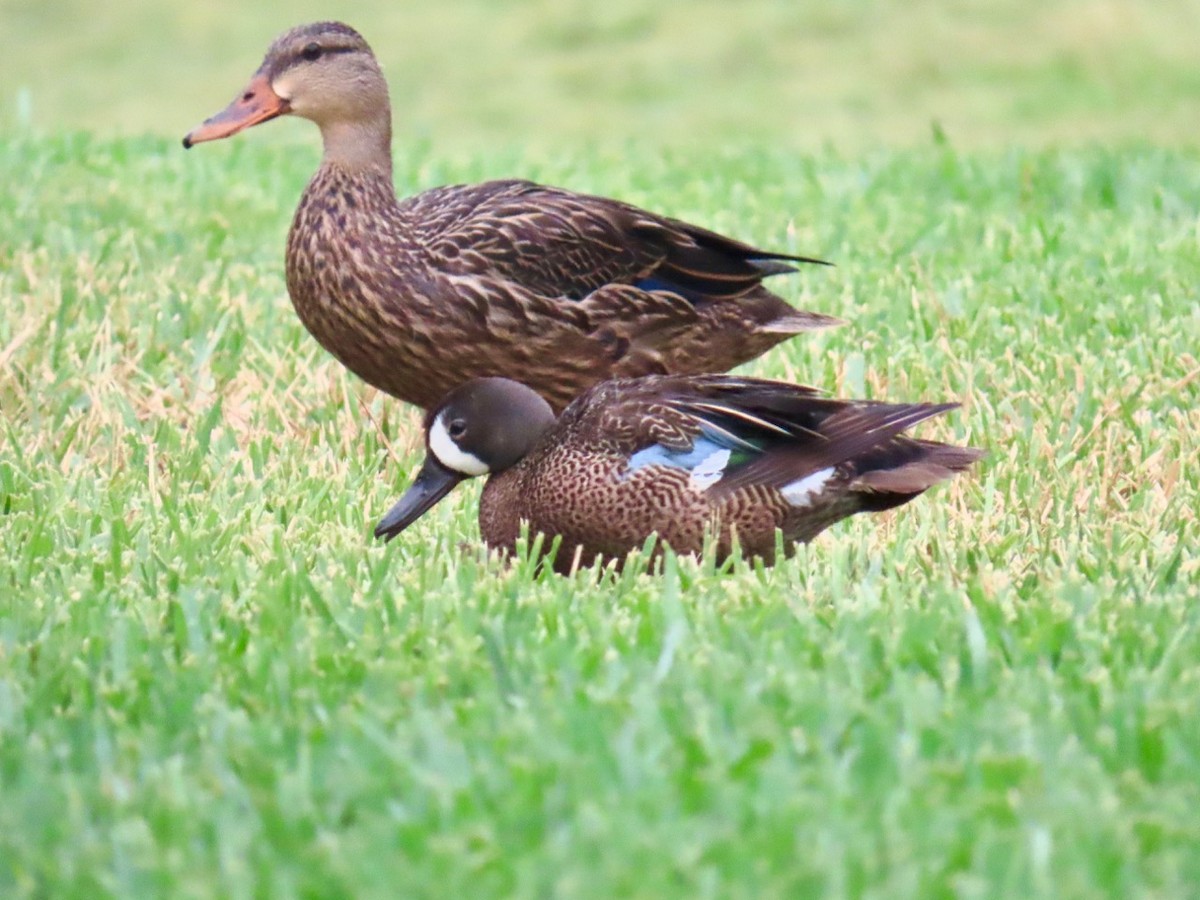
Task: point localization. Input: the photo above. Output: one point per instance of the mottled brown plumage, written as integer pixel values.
(555, 289)
(682, 457)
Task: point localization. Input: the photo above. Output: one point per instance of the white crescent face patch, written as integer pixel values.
(449, 454)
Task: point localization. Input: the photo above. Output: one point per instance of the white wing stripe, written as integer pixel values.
(803, 491)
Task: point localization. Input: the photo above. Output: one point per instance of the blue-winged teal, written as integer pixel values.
(558, 289)
(674, 455)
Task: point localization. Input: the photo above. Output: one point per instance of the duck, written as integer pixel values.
(738, 461)
(556, 289)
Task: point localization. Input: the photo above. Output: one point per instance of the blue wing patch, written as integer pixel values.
(707, 460)
(651, 283)
(658, 455)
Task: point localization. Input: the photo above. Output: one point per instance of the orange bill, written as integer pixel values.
(257, 103)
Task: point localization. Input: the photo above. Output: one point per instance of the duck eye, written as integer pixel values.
(456, 429)
(312, 52)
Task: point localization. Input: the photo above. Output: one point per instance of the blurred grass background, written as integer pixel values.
(469, 73)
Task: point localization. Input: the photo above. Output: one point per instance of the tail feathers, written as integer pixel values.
(769, 314)
(814, 440)
(872, 423)
(767, 261)
(924, 464)
(769, 267)
(780, 264)
(798, 321)
(809, 434)
(703, 264)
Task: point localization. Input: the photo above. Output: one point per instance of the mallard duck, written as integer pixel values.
(682, 457)
(506, 278)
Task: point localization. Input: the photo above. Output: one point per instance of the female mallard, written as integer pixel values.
(556, 289)
(680, 456)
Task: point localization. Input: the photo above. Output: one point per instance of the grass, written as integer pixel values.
(474, 73)
(213, 682)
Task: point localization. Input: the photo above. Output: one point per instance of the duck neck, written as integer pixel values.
(359, 147)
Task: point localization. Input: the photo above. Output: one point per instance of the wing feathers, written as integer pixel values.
(557, 243)
(837, 441)
(789, 432)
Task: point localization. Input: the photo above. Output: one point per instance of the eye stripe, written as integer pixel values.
(330, 51)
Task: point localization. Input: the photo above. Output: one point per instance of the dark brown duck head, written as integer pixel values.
(324, 72)
(485, 426)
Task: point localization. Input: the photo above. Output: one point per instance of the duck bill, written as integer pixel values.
(257, 103)
(432, 483)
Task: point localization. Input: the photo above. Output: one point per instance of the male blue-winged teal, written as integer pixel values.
(557, 289)
(676, 455)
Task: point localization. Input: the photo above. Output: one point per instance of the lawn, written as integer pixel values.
(469, 74)
(213, 682)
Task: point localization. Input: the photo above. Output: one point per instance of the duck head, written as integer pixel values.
(324, 72)
(485, 426)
